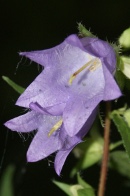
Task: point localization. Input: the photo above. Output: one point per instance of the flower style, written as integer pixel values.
(63, 99)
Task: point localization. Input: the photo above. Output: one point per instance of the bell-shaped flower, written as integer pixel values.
(77, 76)
(51, 135)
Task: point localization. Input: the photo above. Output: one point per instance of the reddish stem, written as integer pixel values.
(104, 167)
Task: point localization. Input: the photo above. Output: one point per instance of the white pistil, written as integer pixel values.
(55, 127)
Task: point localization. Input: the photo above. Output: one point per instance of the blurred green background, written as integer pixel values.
(27, 25)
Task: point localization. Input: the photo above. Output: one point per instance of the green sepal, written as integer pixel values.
(15, 86)
(83, 32)
(83, 183)
(121, 120)
(116, 47)
(119, 161)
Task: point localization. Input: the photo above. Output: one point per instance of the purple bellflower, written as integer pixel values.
(63, 99)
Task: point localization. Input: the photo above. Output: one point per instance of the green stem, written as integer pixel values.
(104, 167)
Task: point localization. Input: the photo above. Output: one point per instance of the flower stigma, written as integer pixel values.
(55, 127)
(92, 68)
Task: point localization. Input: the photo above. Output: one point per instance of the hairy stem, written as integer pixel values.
(103, 174)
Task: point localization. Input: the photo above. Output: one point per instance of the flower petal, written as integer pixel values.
(54, 110)
(60, 160)
(85, 83)
(74, 41)
(77, 112)
(37, 108)
(101, 49)
(43, 91)
(51, 87)
(24, 123)
(87, 93)
(96, 46)
(71, 142)
(111, 90)
(61, 157)
(50, 57)
(86, 127)
(43, 145)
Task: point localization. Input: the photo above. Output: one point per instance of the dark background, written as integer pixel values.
(27, 25)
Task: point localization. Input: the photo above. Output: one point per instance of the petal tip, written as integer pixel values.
(58, 172)
(30, 157)
(22, 53)
(8, 124)
(33, 156)
(57, 169)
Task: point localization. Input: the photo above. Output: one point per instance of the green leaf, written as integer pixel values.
(70, 190)
(89, 152)
(115, 145)
(87, 189)
(84, 32)
(122, 123)
(127, 116)
(127, 84)
(6, 185)
(64, 187)
(83, 183)
(124, 39)
(85, 192)
(126, 66)
(120, 162)
(80, 189)
(15, 86)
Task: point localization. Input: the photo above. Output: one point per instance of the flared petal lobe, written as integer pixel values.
(24, 123)
(43, 145)
(42, 91)
(77, 112)
(111, 90)
(50, 57)
(60, 159)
